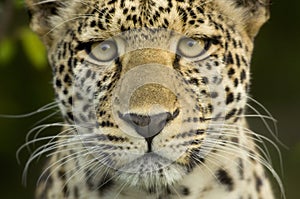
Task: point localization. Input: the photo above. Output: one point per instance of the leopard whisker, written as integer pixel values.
(43, 127)
(264, 108)
(62, 23)
(37, 153)
(46, 117)
(261, 140)
(232, 150)
(121, 189)
(46, 1)
(44, 108)
(34, 141)
(252, 136)
(274, 135)
(59, 164)
(95, 167)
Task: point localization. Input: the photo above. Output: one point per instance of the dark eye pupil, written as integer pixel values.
(190, 43)
(105, 47)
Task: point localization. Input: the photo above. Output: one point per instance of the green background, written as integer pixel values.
(25, 85)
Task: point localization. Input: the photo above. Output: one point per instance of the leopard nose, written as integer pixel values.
(148, 126)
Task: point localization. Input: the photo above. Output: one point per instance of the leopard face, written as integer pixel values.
(152, 89)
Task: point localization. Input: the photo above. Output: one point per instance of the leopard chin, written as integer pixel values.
(151, 172)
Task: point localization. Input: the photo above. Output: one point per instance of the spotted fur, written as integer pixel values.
(213, 155)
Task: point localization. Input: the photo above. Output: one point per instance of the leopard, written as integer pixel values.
(153, 96)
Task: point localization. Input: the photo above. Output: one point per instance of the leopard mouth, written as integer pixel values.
(151, 171)
(149, 162)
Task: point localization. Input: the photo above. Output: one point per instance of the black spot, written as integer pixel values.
(125, 11)
(134, 19)
(62, 175)
(258, 183)
(216, 63)
(111, 2)
(229, 98)
(166, 23)
(47, 179)
(89, 181)
(161, 9)
(67, 79)
(241, 168)
(229, 59)
(215, 40)
(230, 114)
(235, 140)
(238, 61)
(61, 68)
(252, 156)
(200, 132)
(194, 81)
(210, 108)
(76, 192)
(231, 72)
(70, 62)
(195, 159)
(243, 75)
(115, 138)
(70, 116)
(185, 191)
(200, 10)
(112, 10)
(93, 23)
(224, 178)
(192, 22)
(236, 82)
(58, 83)
(200, 20)
(82, 46)
(239, 97)
(176, 64)
(100, 25)
(104, 184)
(70, 100)
(192, 14)
(234, 43)
(182, 13)
(204, 80)
(214, 95)
(226, 48)
(228, 35)
(66, 191)
(244, 61)
(88, 73)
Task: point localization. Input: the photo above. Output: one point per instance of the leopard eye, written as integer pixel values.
(190, 48)
(105, 51)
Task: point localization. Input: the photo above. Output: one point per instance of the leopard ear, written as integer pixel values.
(42, 15)
(257, 13)
(253, 13)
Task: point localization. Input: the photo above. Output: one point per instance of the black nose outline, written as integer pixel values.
(149, 126)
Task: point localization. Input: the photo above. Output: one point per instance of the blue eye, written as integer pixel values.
(190, 48)
(105, 51)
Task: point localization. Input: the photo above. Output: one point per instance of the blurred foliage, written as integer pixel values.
(33, 48)
(25, 85)
(7, 50)
(31, 45)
